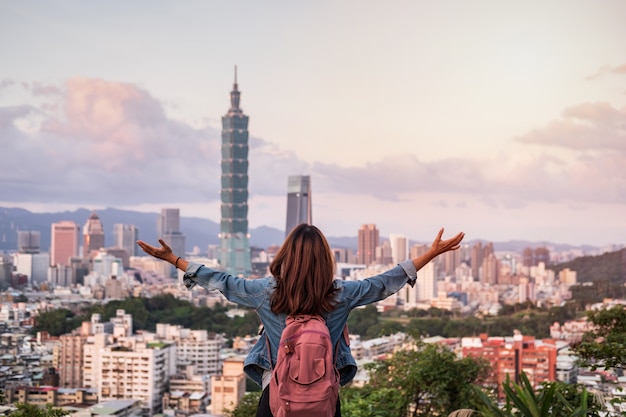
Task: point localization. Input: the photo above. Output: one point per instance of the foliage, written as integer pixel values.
(583, 295)
(29, 410)
(605, 345)
(147, 312)
(247, 406)
(361, 319)
(610, 266)
(369, 402)
(428, 381)
(554, 399)
(56, 322)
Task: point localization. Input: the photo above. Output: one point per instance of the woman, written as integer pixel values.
(301, 282)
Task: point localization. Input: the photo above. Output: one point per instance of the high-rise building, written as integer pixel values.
(234, 239)
(34, 266)
(28, 241)
(368, 240)
(93, 236)
(399, 248)
(298, 202)
(168, 228)
(64, 242)
(479, 253)
(6, 268)
(168, 221)
(125, 237)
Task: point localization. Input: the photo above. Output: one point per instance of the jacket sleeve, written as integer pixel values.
(243, 291)
(379, 287)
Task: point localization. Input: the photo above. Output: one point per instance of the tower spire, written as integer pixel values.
(235, 96)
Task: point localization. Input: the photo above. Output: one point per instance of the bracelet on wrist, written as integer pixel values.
(176, 263)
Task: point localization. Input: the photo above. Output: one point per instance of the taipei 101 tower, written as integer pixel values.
(234, 238)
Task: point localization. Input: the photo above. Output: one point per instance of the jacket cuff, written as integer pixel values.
(189, 279)
(410, 271)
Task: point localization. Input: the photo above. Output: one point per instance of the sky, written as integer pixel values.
(502, 119)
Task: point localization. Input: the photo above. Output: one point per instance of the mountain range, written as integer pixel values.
(198, 231)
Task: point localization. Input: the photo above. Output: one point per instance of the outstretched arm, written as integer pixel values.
(438, 247)
(164, 252)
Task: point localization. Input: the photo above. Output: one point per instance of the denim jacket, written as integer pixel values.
(255, 293)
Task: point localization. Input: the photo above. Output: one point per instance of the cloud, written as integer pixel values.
(96, 142)
(6, 83)
(588, 126)
(109, 143)
(607, 70)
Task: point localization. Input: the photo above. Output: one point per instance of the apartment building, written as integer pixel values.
(510, 356)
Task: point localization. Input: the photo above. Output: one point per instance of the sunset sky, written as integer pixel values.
(506, 120)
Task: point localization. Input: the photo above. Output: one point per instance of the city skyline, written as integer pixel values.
(505, 121)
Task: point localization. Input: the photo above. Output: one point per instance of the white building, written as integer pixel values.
(424, 290)
(399, 248)
(34, 266)
(137, 367)
(194, 347)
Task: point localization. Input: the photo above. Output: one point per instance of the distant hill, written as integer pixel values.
(610, 266)
(198, 232)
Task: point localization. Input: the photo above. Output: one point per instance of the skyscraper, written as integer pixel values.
(64, 243)
(368, 240)
(234, 238)
(125, 236)
(93, 236)
(399, 248)
(168, 228)
(298, 202)
(28, 241)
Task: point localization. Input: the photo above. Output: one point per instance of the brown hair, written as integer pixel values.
(304, 271)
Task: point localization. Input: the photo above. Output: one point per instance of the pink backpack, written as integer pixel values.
(305, 381)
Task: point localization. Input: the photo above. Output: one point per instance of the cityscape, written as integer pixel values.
(220, 127)
(105, 367)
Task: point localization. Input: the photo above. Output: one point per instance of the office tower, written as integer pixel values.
(450, 261)
(298, 202)
(168, 228)
(368, 240)
(6, 274)
(399, 248)
(479, 253)
(234, 239)
(93, 236)
(34, 266)
(64, 244)
(28, 241)
(532, 257)
(168, 221)
(490, 270)
(125, 237)
(384, 253)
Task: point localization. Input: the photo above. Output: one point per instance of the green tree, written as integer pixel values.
(361, 319)
(369, 402)
(605, 345)
(56, 322)
(29, 410)
(247, 406)
(428, 381)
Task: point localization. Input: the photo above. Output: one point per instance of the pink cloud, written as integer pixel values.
(607, 70)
